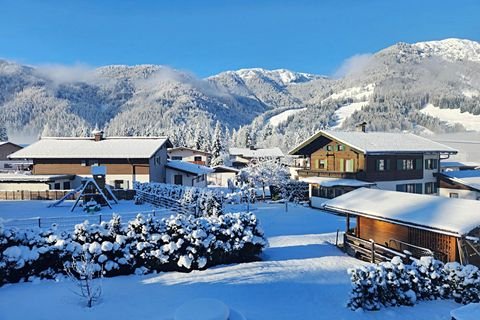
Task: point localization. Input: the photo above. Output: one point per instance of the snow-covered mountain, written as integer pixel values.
(429, 86)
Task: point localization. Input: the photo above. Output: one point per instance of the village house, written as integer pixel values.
(241, 157)
(382, 224)
(341, 161)
(9, 165)
(463, 184)
(187, 173)
(190, 155)
(126, 159)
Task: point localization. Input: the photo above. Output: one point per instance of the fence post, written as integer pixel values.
(336, 239)
(100, 218)
(39, 223)
(373, 251)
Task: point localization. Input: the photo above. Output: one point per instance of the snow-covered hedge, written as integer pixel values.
(394, 283)
(142, 245)
(205, 201)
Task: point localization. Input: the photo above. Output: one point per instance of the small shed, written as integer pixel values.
(221, 175)
(382, 224)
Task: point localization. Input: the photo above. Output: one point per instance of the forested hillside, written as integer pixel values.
(424, 87)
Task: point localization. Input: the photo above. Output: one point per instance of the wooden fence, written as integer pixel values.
(165, 202)
(56, 194)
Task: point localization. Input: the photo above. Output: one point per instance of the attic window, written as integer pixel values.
(329, 148)
(85, 163)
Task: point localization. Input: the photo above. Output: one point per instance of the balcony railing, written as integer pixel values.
(329, 174)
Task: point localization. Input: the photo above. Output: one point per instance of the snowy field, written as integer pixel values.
(302, 276)
(467, 119)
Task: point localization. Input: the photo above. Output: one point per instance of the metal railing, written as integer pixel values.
(165, 202)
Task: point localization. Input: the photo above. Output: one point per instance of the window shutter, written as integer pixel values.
(399, 164)
(418, 164)
(387, 164)
(418, 187)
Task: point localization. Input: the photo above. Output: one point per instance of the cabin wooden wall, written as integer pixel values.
(74, 166)
(334, 157)
(381, 232)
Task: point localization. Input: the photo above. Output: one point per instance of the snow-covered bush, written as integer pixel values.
(180, 242)
(203, 201)
(394, 283)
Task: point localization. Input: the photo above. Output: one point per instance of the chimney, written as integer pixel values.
(362, 127)
(98, 135)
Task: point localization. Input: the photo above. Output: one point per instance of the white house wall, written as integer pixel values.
(462, 194)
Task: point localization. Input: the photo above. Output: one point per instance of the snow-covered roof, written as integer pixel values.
(190, 149)
(257, 153)
(378, 142)
(81, 148)
(222, 168)
(454, 164)
(336, 182)
(470, 178)
(13, 177)
(439, 214)
(188, 167)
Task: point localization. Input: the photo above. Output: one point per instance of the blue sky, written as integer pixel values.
(207, 37)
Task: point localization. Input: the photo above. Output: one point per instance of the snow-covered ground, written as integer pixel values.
(356, 93)
(282, 117)
(346, 111)
(23, 209)
(469, 120)
(302, 276)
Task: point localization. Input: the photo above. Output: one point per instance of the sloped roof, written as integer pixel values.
(257, 153)
(378, 142)
(188, 167)
(190, 149)
(88, 148)
(12, 177)
(455, 217)
(470, 178)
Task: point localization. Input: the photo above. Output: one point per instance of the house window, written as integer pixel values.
(431, 164)
(430, 188)
(453, 195)
(381, 165)
(177, 158)
(329, 148)
(85, 163)
(322, 164)
(406, 164)
(410, 187)
(120, 184)
(56, 186)
(315, 190)
(7, 166)
(340, 147)
(197, 158)
(178, 179)
(66, 185)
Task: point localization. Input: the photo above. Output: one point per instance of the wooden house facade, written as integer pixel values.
(390, 161)
(126, 159)
(382, 224)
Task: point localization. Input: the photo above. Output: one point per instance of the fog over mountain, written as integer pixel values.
(427, 87)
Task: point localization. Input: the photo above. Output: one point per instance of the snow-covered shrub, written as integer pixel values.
(202, 201)
(394, 284)
(180, 242)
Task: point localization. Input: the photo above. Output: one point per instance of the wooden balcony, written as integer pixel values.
(329, 174)
(202, 163)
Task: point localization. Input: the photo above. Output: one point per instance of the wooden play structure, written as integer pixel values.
(94, 192)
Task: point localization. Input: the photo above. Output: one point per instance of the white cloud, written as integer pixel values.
(58, 73)
(353, 65)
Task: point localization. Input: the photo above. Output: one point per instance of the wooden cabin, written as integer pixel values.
(382, 224)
